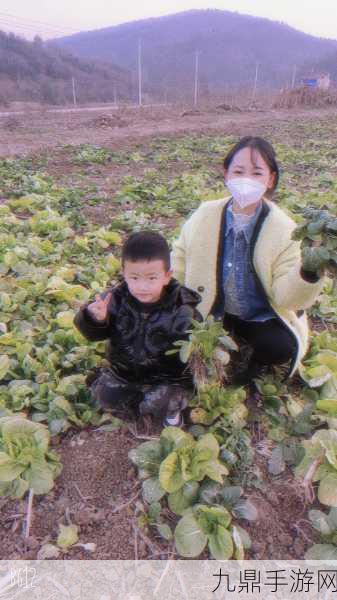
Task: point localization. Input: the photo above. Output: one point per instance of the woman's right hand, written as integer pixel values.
(99, 308)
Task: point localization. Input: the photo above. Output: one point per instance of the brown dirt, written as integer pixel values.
(282, 531)
(40, 131)
(96, 478)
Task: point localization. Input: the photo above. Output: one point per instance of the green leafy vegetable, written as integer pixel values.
(25, 459)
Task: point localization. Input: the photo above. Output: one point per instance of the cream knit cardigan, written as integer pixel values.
(276, 259)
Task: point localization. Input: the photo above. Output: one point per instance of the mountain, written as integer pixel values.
(39, 72)
(229, 45)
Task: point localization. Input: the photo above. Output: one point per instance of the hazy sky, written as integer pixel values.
(50, 18)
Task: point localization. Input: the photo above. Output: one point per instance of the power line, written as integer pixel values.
(24, 20)
(19, 29)
(17, 25)
(28, 34)
(13, 28)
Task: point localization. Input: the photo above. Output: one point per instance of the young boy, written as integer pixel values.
(141, 317)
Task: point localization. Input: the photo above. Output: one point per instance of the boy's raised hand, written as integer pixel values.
(99, 308)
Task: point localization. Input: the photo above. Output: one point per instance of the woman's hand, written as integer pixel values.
(99, 308)
(314, 258)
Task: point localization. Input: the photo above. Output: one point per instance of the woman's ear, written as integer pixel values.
(271, 181)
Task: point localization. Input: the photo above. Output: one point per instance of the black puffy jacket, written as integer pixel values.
(139, 334)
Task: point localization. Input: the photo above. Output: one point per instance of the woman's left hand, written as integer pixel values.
(314, 258)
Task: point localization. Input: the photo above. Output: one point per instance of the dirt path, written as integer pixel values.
(35, 132)
(77, 109)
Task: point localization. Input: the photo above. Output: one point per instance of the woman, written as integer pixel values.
(238, 254)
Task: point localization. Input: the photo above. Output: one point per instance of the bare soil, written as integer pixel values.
(37, 131)
(96, 479)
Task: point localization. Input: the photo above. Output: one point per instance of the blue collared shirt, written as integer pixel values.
(243, 296)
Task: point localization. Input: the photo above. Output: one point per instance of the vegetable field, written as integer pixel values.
(251, 479)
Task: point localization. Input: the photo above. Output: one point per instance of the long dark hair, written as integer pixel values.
(264, 148)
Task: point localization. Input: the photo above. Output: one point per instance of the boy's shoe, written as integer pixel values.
(173, 420)
(93, 374)
(247, 374)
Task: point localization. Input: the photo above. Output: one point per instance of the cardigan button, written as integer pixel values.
(201, 288)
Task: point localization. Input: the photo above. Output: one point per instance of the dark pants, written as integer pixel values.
(271, 341)
(129, 400)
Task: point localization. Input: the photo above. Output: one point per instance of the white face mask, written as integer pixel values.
(246, 191)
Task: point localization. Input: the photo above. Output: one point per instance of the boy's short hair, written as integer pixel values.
(146, 245)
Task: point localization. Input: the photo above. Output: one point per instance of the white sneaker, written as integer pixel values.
(173, 420)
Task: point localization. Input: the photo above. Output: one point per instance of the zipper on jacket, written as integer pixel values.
(140, 342)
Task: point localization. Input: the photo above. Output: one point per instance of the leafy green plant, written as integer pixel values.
(214, 400)
(320, 226)
(68, 536)
(25, 459)
(153, 519)
(26, 462)
(188, 472)
(229, 496)
(89, 153)
(319, 464)
(175, 464)
(211, 526)
(286, 415)
(325, 308)
(324, 340)
(326, 524)
(270, 387)
(206, 351)
(287, 420)
(319, 370)
(235, 449)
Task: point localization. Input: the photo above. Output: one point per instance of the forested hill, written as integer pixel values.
(229, 45)
(38, 72)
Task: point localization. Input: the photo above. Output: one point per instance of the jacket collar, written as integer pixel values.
(249, 228)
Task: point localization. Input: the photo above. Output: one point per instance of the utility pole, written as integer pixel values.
(140, 73)
(74, 92)
(294, 77)
(196, 77)
(115, 96)
(255, 81)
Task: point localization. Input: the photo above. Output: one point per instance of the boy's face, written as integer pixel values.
(146, 279)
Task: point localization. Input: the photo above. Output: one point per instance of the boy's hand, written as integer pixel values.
(99, 308)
